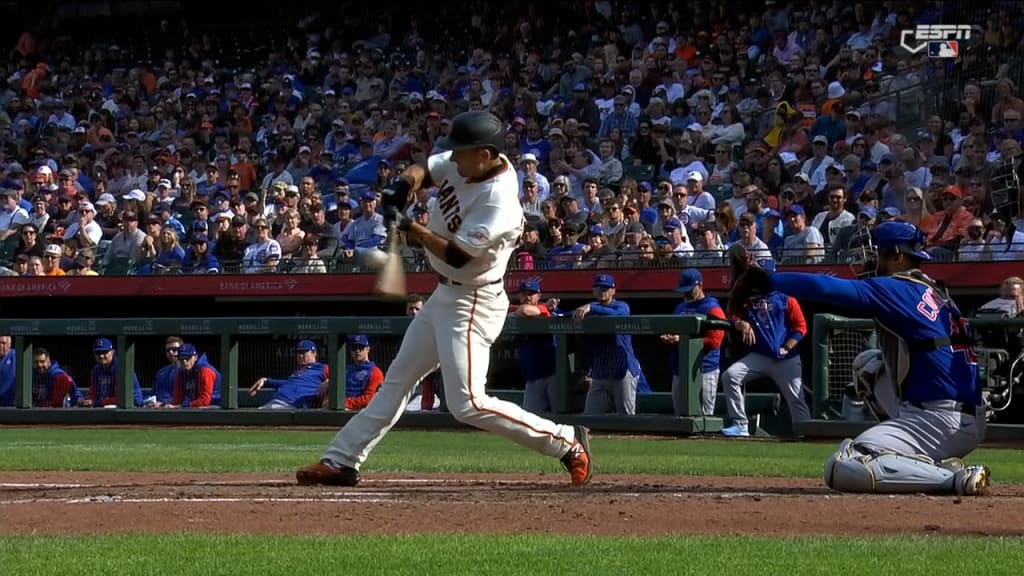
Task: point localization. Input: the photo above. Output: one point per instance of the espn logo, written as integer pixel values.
(944, 49)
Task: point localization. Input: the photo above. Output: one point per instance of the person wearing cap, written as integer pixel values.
(84, 232)
(264, 254)
(746, 228)
(946, 228)
(103, 384)
(163, 380)
(528, 169)
(695, 301)
(126, 245)
(931, 412)
(814, 167)
(536, 353)
(852, 241)
(366, 232)
(52, 256)
(469, 241)
(566, 252)
(81, 265)
(302, 388)
(199, 258)
(106, 216)
(771, 325)
(196, 383)
(362, 376)
(12, 216)
(678, 238)
(614, 372)
(696, 195)
(8, 357)
(802, 244)
(52, 386)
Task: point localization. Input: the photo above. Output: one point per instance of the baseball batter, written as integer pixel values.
(922, 383)
(472, 232)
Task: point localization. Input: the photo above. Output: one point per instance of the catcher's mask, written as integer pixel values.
(893, 237)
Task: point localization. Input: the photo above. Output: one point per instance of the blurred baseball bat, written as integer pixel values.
(391, 279)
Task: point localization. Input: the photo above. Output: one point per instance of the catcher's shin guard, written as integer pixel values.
(855, 469)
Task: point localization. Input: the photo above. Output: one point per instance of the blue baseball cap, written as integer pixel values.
(869, 211)
(102, 345)
(688, 280)
(305, 346)
(604, 281)
(903, 236)
(358, 340)
(596, 230)
(797, 209)
(672, 224)
(369, 195)
(529, 286)
(186, 351)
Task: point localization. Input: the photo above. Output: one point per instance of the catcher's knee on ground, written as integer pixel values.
(852, 468)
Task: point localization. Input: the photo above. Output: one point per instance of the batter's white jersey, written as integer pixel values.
(484, 218)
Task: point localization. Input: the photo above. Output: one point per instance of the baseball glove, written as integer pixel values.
(749, 281)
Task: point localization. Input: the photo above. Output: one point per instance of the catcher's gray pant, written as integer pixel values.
(539, 395)
(621, 393)
(787, 375)
(906, 452)
(708, 392)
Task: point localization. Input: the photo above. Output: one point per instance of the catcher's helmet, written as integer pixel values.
(474, 129)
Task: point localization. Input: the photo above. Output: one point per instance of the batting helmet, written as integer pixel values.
(474, 129)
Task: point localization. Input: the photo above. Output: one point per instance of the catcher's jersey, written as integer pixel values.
(484, 218)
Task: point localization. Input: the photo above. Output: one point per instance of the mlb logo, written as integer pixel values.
(944, 49)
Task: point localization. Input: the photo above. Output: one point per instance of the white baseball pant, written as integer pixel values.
(455, 328)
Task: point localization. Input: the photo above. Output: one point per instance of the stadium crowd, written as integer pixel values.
(644, 135)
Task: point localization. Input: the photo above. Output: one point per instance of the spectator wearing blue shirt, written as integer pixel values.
(200, 259)
(614, 370)
(299, 390)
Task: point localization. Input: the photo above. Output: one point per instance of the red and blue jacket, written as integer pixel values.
(50, 388)
(775, 318)
(198, 387)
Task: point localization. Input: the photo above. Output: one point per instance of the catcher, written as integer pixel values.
(922, 382)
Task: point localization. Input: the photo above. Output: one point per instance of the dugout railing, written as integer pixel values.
(225, 337)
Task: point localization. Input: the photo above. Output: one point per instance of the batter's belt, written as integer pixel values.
(449, 282)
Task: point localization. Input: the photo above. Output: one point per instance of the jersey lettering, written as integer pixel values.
(448, 203)
(928, 306)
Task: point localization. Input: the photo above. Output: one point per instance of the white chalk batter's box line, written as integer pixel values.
(354, 499)
(267, 482)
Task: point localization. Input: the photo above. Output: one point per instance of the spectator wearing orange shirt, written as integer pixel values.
(946, 228)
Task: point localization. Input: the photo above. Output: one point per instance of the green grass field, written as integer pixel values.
(244, 450)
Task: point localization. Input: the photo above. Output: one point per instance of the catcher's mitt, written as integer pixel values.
(749, 280)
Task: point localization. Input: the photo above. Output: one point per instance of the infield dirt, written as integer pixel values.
(81, 503)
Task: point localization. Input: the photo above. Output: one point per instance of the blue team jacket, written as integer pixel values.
(7, 378)
(611, 355)
(301, 387)
(163, 383)
(707, 306)
(775, 318)
(911, 311)
(536, 354)
(105, 381)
